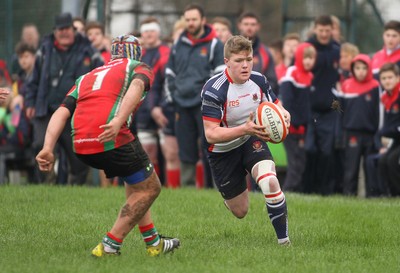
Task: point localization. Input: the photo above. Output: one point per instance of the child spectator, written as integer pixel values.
(29, 36)
(26, 60)
(389, 163)
(390, 53)
(360, 102)
(95, 33)
(290, 43)
(347, 53)
(79, 25)
(295, 89)
(276, 47)
(336, 31)
(223, 28)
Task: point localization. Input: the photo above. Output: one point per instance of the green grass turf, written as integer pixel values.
(53, 229)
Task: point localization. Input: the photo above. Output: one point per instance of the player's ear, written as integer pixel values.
(226, 61)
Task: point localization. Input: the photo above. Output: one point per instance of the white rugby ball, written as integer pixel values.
(270, 115)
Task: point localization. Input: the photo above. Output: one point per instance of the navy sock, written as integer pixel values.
(277, 212)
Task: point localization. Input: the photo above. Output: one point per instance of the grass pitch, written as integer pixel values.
(53, 229)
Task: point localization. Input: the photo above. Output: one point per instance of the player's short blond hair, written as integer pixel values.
(237, 44)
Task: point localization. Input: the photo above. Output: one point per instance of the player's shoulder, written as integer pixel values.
(258, 78)
(217, 83)
(216, 87)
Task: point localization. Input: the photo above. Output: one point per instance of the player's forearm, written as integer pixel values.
(221, 134)
(55, 127)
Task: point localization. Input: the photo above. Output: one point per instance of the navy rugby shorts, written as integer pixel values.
(229, 169)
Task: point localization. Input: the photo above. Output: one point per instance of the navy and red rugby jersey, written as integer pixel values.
(230, 104)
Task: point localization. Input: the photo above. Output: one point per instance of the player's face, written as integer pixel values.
(360, 70)
(223, 32)
(150, 38)
(249, 27)
(239, 66)
(65, 36)
(194, 22)
(391, 39)
(308, 62)
(289, 48)
(323, 33)
(95, 36)
(389, 80)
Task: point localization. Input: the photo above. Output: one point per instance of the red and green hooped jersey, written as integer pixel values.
(98, 96)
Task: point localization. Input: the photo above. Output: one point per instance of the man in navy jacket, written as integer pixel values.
(197, 55)
(62, 57)
(320, 136)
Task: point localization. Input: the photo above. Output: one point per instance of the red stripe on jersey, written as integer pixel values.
(224, 117)
(211, 148)
(212, 119)
(227, 75)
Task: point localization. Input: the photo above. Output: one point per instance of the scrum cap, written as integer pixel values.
(126, 46)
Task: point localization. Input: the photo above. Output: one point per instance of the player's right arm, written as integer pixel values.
(216, 134)
(45, 157)
(212, 112)
(141, 82)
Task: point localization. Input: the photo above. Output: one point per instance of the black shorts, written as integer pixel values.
(229, 169)
(123, 161)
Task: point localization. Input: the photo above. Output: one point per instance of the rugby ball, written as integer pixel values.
(270, 115)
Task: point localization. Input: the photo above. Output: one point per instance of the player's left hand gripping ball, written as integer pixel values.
(272, 117)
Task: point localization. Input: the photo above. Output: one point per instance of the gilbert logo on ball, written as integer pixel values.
(270, 115)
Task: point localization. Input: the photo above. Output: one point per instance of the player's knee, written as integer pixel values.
(265, 175)
(155, 185)
(240, 212)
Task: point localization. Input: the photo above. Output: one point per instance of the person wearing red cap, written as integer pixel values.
(113, 91)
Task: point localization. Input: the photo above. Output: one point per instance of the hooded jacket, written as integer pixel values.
(381, 57)
(295, 89)
(360, 100)
(391, 123)
(191, 63)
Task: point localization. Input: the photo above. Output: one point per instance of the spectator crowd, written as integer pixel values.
(344, 104)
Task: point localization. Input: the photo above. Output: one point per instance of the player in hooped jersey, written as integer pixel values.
(235, 144)
(101, 105)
